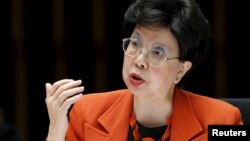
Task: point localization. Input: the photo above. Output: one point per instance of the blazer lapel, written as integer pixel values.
(184, 122)
(114, 122)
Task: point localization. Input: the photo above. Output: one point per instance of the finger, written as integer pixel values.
(57, 84)
(47, 87)
(68, 94)
(65, 87)
(67, 103)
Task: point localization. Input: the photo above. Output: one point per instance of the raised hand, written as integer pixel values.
(59, 97)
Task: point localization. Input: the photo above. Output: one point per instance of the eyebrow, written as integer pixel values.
(161, 45)
(136, 34)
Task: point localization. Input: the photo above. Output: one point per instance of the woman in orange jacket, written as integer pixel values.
(164, 40)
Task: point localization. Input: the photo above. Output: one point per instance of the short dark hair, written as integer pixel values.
(183, 18)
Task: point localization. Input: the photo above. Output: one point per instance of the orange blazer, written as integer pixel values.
(105, 116)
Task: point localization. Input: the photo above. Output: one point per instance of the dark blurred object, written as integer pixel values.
(244, 106)
(8, 132)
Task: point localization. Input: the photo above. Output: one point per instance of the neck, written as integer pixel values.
(152, 112)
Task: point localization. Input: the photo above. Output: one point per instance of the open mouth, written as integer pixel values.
(135, 79)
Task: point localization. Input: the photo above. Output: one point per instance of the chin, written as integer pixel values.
(136, 90)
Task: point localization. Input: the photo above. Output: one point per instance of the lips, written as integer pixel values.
(135, 79)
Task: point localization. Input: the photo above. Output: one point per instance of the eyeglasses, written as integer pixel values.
(155, 57)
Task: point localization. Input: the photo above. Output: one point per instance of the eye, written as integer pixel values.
(135, 43)
(158, 51)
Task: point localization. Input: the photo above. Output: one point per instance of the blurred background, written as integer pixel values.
(47, 40)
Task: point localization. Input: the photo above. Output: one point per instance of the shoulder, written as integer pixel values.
(208, 102)
(213, 109)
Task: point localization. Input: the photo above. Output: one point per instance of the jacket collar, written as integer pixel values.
(114, 122)
(185, 125)
(118, 113)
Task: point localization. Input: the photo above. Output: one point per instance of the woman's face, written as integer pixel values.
(140, 75)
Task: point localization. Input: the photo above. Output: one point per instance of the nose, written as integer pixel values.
(141, 60)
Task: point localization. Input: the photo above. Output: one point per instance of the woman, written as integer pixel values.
(164, 40)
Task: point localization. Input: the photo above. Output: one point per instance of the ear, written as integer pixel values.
(184, 68)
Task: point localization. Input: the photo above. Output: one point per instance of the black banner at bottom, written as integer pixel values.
(221, 132)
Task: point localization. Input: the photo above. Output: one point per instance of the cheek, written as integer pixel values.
(165, 75)
(125, 68)
(127, 62)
